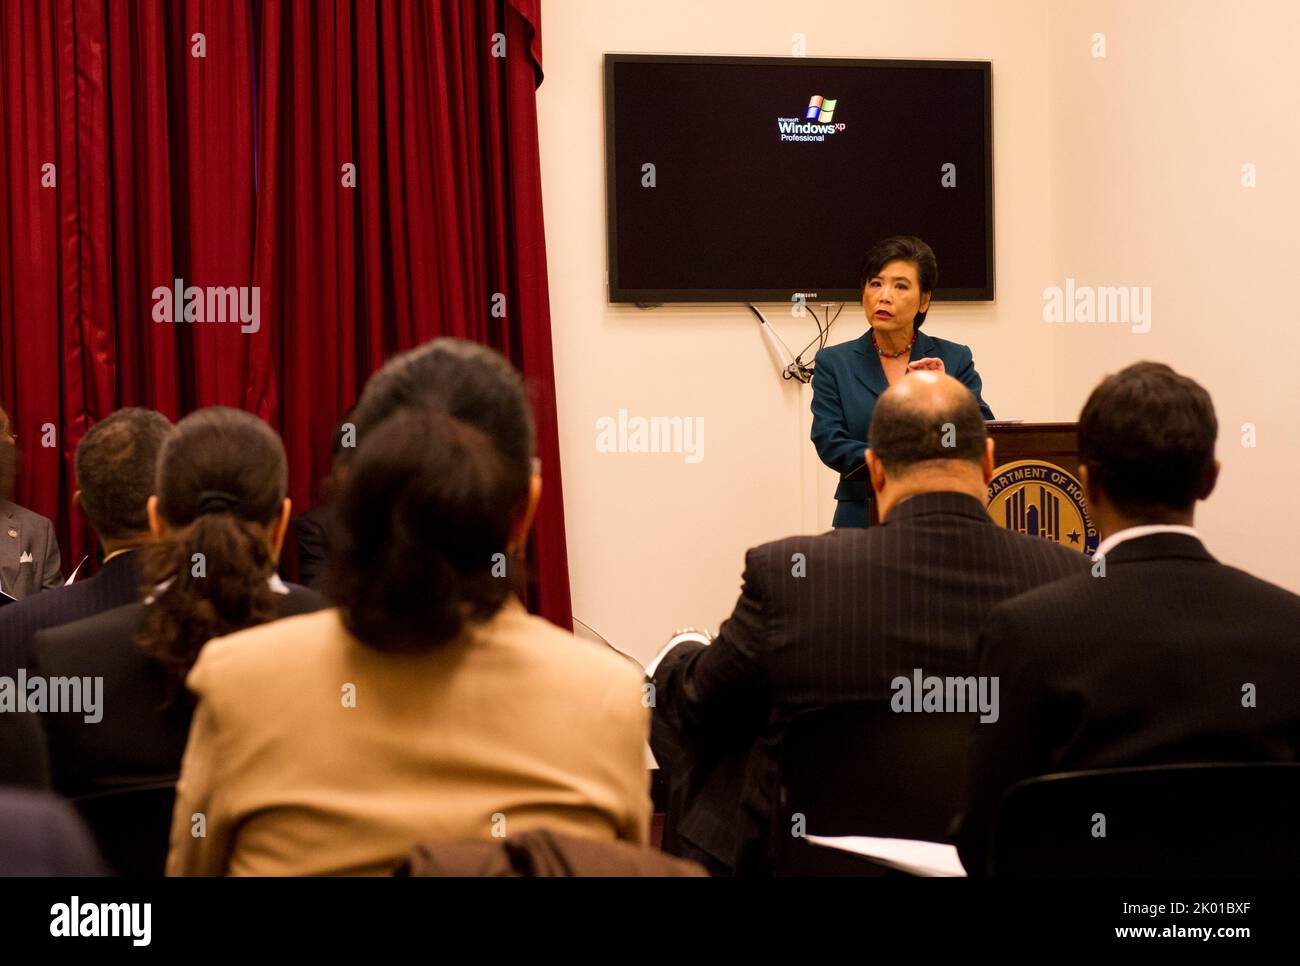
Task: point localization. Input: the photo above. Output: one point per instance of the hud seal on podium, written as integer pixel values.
(1042, 500)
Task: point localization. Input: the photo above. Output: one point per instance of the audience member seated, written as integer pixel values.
(41, 835)
(219, 518)
(29, 552)
(430, 705)
(115, 466)
(311, 530)
(1161, 654)
(835, 618)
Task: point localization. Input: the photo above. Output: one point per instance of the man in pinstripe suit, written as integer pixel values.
(836, 617)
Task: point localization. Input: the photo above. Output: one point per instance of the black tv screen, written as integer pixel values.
(756, 178)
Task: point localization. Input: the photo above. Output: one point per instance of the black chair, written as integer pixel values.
(24, 759)
(1168, 820)
(132, 826)
(865, 769)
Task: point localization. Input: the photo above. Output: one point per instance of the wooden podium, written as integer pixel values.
(1015, 442)
(1056, 443)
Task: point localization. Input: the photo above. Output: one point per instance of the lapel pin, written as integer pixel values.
(13, 533)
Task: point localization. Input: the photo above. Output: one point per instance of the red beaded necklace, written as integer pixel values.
(892, 355)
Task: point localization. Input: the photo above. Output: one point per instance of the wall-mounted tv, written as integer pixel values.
(734, 179)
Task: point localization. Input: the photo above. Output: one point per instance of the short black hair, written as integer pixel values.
(902, 248)
(1146, 436)
(904, 434)
(115, 464)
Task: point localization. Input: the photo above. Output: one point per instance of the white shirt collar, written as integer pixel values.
(1132, 533)
(277, 586)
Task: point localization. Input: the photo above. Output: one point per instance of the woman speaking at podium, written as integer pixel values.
(898, 279)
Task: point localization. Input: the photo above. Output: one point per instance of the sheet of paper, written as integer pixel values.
(906, 855)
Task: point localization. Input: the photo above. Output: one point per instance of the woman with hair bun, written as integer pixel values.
(218, 514)
(428, 704)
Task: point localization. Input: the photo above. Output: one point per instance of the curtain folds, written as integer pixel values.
(363, 174)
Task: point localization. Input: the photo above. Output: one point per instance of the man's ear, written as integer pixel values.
(990, 459)
(1210, 480)
(156, 525)
(876, 469)
(281, 528)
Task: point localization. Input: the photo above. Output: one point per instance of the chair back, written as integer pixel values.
(132, 826)
(864, 769)
(1167, 820)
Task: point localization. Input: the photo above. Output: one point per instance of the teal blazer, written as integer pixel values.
(847, 381)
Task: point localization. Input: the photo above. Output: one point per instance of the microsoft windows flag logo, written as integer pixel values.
(819, 110)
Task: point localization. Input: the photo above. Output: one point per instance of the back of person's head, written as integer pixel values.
(927, 421)
(116, 462)
(218, 510)
(428, 515)
(1146, 439)
(464, 379)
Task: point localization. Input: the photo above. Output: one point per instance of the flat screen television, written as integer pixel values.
(748, 179)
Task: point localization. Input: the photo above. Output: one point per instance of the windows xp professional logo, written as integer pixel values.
(819, 109)
(817, 121)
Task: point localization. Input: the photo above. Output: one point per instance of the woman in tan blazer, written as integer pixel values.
(429, 704)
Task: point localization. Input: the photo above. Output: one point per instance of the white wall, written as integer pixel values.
(1116, 171)
(1148, 147)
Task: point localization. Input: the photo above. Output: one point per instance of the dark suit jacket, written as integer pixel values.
(117, 583)
(24, 534)
(40, 835)
(874, 604)
(1143, 666)
(140, 739)
(311, 532)
(847, 381)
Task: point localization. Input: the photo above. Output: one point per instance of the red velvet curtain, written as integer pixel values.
(369, 169)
